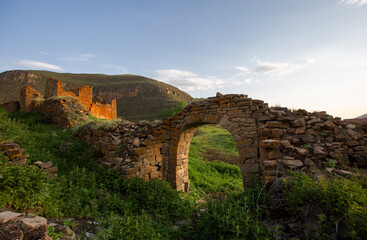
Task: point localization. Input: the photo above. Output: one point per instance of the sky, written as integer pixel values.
(309, 54)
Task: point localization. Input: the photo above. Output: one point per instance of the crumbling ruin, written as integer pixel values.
(269, 141)
(63, 107)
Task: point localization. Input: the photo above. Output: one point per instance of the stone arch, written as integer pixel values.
(240, 121)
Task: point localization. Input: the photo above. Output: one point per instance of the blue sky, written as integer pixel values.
(308, 54)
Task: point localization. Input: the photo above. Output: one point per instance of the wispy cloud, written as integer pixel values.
(189, 81)
(78, 58)
(37, 65)
(118, 68)
(275, 68)
(354, 2)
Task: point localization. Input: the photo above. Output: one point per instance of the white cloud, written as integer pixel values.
(118, 68)
(274, 68)
(354, 2)
(37, 65)
(243, 69)
(279, 68)
(79, 58)
(189, 81)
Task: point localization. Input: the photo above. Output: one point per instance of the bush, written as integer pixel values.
(237, 217)
(157, 197)
(128, 227)
(28, 189)
(168, 113)
(339, 198)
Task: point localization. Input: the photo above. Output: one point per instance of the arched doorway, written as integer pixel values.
(246, 141)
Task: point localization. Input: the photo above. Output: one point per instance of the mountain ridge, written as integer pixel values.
(138, 97)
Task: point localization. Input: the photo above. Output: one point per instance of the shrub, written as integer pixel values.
(339, 198)
(128, 227)
(158, 198)
(237, 217)
(28, 189)
(168, 113)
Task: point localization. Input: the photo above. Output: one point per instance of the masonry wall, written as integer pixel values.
(129, 148)
(269, 140)
(54, 88)
(315, 142)
(104, 110)
(27, 95)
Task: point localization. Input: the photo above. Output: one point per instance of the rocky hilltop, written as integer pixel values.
(137, 97)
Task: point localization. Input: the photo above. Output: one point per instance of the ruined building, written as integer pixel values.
(57, 101)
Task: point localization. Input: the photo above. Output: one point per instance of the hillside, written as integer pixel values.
(362, 117)
(137, 97)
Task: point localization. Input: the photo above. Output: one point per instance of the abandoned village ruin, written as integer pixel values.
(269, 140)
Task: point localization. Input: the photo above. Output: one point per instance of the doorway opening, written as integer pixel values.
(213, 160)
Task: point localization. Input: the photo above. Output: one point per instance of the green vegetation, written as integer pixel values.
(135, 209)
(237, 217)
(219, 176)
(82, 189)
(341, 200)
(168, 113)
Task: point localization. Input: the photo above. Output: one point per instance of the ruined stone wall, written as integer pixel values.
(31, 100)
(127, 147)
(54, 88)
(314, 142)
(269, 141)
(63, 111)
(99, 109)
(27, 95)
(104, 110)
(163, 146)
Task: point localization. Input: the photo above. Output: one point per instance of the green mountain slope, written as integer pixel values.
(137, 97)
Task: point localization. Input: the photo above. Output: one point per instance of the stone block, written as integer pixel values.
(277, 124)
(8, 216)
(250, 168)
(269, 143)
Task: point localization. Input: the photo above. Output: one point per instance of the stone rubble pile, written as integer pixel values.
(23, 227)
(296, 139)
(47, 167)
(13, 153)
(63, 111)
(16, 156)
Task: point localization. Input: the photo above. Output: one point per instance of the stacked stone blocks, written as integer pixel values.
(32, 100)
(269, 141)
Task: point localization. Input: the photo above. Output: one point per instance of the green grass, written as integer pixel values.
(212, 137)
(208, 177)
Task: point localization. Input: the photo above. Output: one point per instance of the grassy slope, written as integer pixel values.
(144, 106)
(219, 176)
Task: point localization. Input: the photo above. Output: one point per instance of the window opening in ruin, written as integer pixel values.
(213, 156)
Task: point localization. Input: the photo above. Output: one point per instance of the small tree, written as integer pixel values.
(169, 112)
